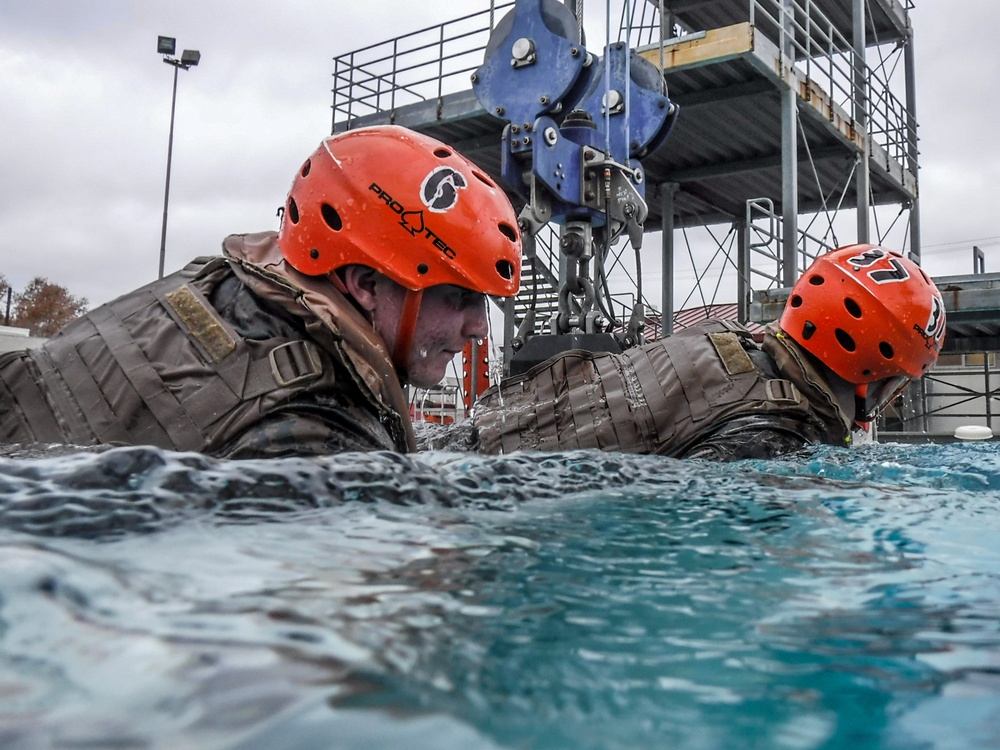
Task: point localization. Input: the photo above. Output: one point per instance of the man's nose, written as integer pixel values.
(476, 325)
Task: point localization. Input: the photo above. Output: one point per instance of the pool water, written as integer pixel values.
(833, 599)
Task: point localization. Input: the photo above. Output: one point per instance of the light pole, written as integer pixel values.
(166, 46)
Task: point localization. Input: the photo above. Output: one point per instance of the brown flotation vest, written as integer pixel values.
(160, 366)
(659, 398)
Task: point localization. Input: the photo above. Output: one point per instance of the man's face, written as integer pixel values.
(449, 317)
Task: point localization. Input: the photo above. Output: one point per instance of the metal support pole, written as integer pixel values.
(166, 189)
(987, 393)
(863, 177)
(474, 367)
(910, 77)
(789, 186)
(508, 333)
(667, 191)
(924, 401)
(789, 151)
(742, 271)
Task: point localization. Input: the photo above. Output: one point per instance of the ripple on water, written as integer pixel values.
(834, 599)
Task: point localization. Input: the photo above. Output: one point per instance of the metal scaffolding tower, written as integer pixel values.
(797, 134)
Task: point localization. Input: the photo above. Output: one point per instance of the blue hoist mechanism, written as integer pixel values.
(577, 126)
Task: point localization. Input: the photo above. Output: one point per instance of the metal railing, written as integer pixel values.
(950, 396)
(442, 403)
(539, 280)
(826, 56)
(428, 64)
(416, 67)
(819, 51)
(760, 266)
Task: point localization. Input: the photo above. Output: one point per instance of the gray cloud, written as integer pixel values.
(87, 104)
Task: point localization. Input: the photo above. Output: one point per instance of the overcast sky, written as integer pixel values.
(86, 109)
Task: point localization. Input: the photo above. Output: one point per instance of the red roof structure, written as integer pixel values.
(694, 315)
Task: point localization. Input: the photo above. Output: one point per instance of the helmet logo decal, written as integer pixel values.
(412, 221)
(935, 321)
(896, 271)
(439, 190)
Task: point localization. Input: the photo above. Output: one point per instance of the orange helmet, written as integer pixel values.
(406, 205)
(867, 313)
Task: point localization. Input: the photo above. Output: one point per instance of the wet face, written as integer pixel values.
(449, 317)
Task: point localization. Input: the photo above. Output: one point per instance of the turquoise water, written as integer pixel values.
(837, 599)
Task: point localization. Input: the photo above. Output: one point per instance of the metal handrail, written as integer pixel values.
(824, 55)
(410, 68)
(951, 395)
(768, 239)
(423, 64)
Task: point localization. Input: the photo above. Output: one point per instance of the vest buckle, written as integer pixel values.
(782, 391)
(294, 362)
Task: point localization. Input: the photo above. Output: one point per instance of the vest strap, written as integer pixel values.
(782, 391)
(295, 362)
(19, 385)
(682, 360)
(171, 415)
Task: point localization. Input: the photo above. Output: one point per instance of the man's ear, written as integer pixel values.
(361, 284)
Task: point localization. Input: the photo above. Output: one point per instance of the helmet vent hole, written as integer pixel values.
(886, 349)
(306, 167)
(293, 211)
(483, 178)
(796, 301)
(422, 269)
(314, 254)
(808, 330)
(331, 217)
(506, 269)
(442, 153)
(866, 372)
(816, 280)
(853, 308)
(845, 340)
(507, 231)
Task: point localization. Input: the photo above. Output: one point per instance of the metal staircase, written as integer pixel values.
(539, 282)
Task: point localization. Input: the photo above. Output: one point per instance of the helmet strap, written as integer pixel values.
(861, 416)
(338, 282)
(407, 328)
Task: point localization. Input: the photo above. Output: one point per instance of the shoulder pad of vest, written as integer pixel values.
(203, 263)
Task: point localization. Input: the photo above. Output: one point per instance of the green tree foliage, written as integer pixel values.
(44, 307)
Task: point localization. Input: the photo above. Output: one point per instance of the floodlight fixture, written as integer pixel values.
(166, 45)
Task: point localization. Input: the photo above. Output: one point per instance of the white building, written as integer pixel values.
(12, 339)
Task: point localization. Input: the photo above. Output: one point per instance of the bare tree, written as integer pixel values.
(5, 300)
(44, 307)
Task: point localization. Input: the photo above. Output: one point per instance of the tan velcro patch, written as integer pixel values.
(201, 323)
(731, 352)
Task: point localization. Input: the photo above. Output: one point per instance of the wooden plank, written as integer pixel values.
(716, 45)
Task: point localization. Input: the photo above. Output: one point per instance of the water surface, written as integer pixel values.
(834, 599)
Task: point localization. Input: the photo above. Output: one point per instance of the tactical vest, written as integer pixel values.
(161, 367)
(660, 398)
